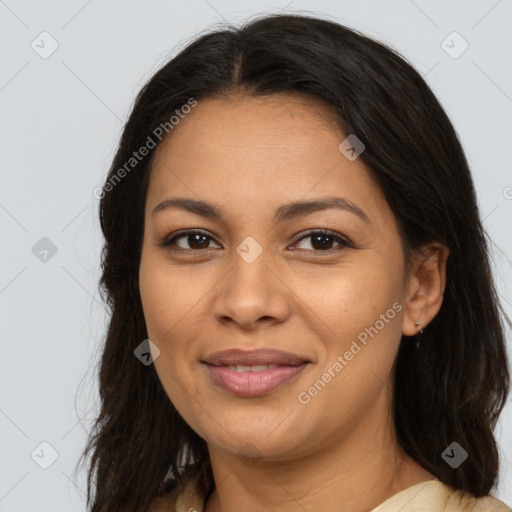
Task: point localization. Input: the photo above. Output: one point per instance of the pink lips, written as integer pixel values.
(249, 382)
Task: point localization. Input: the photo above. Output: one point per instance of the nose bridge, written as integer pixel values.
(251, 289)
(251, 275)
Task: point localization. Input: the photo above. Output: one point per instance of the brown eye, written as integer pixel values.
(324, 240)
(194, 240)
(321, 241)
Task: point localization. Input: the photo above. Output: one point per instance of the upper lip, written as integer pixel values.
(253, 357)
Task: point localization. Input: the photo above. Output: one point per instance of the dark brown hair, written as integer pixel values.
(451, 388)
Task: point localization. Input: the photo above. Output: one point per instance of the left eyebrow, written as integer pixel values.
(282, 214)
(302, 208)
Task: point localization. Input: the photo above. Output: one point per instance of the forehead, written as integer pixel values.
(237, 124)
(258, 150)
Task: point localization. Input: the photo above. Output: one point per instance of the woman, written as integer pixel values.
(303, 315)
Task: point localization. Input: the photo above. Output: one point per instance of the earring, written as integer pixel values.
(419, 325)
(417, 343)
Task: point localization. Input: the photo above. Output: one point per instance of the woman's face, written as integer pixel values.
(260, 276)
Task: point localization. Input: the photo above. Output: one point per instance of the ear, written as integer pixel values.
(425, 287)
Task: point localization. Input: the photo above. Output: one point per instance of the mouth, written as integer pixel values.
(237, 357)
(253, 373)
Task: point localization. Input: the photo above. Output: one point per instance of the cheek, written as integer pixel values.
(363, 311)
(182, 393)
(173, 331)
(352, 300)
(165, 297)
(169, 303)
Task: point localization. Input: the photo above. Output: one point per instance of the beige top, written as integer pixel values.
(430, 496)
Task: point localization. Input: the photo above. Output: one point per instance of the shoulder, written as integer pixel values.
(189, 498)
(434, 496)
(458, 501)
(166, 503)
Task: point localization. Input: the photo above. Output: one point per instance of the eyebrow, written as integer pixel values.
(283, 213)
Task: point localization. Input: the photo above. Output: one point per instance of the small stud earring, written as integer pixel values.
(419, 325)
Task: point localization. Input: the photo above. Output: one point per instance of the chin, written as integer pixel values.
(254, 443)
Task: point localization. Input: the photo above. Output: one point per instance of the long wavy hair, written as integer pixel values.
(450, 388)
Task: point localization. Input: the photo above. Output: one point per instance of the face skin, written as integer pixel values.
(249, 156)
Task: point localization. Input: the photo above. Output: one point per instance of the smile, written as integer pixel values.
(251, 381)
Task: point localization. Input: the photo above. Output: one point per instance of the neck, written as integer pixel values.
(359, 472)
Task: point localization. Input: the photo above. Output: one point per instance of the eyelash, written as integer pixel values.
(344, 243)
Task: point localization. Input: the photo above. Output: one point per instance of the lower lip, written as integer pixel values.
(253, 383)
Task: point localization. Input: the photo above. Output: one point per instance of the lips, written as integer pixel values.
(254, 357)
(253, 373)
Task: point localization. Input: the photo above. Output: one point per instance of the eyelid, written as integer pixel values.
(195, 231)
(342, 240)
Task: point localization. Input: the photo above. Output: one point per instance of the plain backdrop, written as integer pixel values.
(68, 76)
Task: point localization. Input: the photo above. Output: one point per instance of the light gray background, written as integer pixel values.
(60, 121)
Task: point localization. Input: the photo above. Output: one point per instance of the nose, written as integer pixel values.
(252, 293)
